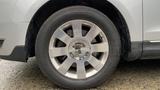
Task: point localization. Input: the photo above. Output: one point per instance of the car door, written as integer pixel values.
(151, 20)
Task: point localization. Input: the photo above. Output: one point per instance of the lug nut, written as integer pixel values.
(71, 55)
(87, 54)
(82, 58)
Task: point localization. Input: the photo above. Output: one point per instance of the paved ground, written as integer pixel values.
(143, 75)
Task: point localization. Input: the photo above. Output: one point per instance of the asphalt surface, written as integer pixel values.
(137, 75)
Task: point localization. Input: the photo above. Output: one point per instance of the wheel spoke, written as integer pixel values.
(81, 71)
(102, 47)
(61, 35)
(93, 32)
(95, 63)
(64, 67)
(55, 52)
(77, 28)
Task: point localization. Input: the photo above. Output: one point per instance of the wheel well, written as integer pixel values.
(54, 5)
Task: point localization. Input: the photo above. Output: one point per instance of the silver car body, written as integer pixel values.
(141, 16)
(15, 17)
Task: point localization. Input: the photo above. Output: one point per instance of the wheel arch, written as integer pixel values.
(54, 5)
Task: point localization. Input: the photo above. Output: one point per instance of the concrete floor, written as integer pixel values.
(139, 75)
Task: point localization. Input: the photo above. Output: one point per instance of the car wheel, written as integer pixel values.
(78, 47)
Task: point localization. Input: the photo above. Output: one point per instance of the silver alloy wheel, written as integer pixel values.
(78, 49)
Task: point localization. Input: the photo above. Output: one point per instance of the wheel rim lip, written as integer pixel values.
(88, 74)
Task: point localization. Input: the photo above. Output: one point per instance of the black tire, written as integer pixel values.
(71, 13)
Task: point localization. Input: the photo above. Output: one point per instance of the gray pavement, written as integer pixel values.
(137, 75)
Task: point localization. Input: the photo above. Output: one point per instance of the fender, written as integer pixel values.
(132, 16)
(26, 9)
(18, 22)
(132, 12)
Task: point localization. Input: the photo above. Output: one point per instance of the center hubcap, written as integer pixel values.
(79, 50)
